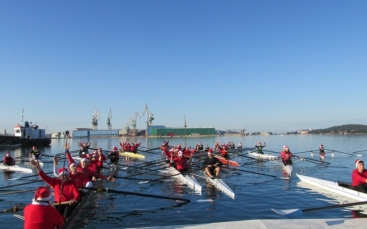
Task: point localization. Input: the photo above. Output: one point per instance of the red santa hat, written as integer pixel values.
(114, 148)
(42, 194)
(210, 151)
(63, 171)
(72, 164)
(358, 161)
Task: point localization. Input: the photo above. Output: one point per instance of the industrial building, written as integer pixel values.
(157, 131)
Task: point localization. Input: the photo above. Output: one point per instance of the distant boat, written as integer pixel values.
(27, 135)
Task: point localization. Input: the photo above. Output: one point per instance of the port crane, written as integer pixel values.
(134, 123)
(95, 118)
(150, 118)
(127, 127)
(109, 125)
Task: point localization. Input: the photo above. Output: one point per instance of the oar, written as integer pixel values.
(248, 171)
(31, 182)
(324, 163)
(132, 178)
(136, 194)
(17, 178)
(352, 154)
(12, 210)
(14, 192)
(15, 208)
(359, 151)
(297, 211)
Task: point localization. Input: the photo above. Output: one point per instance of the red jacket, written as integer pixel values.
(69, 188)
(286, 156)
(8, 160)
(87, 171)
(181, 163)
(359, 178)
(42, 216)
(80, 179)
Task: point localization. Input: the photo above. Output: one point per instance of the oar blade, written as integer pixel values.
(288, 212)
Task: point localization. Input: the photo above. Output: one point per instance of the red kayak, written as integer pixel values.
(226, 162)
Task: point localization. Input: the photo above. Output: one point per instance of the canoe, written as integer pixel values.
(15, 168)
(219, 184)
(288, 169)
(226, 162)
(132, 155)
(264, 156)
(189, 180)
(335, 187)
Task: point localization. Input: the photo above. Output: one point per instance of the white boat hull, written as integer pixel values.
(334, 187)
(15, 168)
(219, 184)
(190, 181)
(288, 169)
(260, 156)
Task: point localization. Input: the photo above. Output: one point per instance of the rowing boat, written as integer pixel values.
(132, 155)
(15, 168)
(287, 168)
(335, 187)
(76, 214)
(186, 179)
(226, 162)
(260, 156)
(219, 184)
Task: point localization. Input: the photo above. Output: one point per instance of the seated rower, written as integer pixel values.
(64, 188)
(224, 153)
(35, 153)
(114, 155)
(79, 178)
(322, 150)
(211, 165)
(40, 213)
(286, 156)
(8, 160)
(359, 177)
(83, 167)
(179, 162)
(134, 147)
(259, 147)
(83, 148)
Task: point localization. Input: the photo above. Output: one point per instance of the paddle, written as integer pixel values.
(15, 208)
(136, 194)
(345, 152)
(298, 212)
(31, 182)
(17, 178)
(248, 171)
(14, 192)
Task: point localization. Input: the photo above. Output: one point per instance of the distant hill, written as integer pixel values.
(343, 129)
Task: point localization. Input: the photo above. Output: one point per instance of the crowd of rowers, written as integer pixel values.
(180, 157)
(68, 184)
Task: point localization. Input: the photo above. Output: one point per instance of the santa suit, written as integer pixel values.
(69, 188)
(42, 215)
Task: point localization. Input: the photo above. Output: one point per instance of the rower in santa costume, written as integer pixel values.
(41, 213)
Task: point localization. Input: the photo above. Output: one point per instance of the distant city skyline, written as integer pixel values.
(255, 65)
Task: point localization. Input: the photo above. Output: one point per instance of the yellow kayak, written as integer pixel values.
(132, 155)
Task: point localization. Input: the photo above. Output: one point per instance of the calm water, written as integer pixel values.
(255, 194)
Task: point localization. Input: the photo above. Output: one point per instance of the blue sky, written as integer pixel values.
(260, 65)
